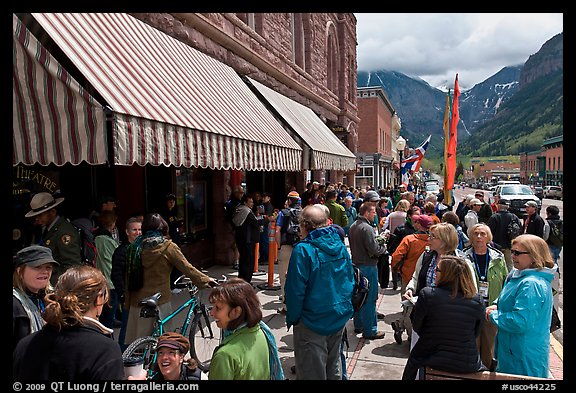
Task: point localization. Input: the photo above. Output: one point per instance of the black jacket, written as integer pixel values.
(118, 272)
(498, 224)
(447, 328)
(83, 353)
(536, 225)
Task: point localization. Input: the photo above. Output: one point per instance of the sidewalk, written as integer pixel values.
(366, 359)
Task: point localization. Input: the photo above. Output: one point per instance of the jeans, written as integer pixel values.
(365, 318)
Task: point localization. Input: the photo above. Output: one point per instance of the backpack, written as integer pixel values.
(361, 289)
(514, 229)
(290, 226)
(556, 236)
(88, 251)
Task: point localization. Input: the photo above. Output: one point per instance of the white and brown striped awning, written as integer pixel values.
(172, 104)
(54, 120)
(327, 151)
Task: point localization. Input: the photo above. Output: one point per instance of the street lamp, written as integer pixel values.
(400, 144)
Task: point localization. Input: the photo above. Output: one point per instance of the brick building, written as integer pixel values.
(544, 167)
(378, 130)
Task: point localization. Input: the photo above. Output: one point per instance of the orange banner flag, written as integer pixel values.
(452, 142)
(446, 126)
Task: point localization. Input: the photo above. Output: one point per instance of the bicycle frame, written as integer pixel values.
(159, 325)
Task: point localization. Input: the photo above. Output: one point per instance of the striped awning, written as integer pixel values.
(328, 152)
(172, 104)
(54, 120)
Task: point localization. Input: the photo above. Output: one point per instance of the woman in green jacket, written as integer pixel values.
(490, 268)
(248, 350)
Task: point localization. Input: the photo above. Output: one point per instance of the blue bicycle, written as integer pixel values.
(204, 336)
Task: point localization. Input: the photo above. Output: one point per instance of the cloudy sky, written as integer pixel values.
(435, 47)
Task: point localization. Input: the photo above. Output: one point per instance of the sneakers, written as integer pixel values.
(236, 265)
(377, 336)
(357, 331)
(397, 331)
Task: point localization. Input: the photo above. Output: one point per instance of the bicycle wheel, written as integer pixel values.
(142, 347)
(204, 337)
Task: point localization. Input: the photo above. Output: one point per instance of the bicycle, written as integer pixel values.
(204, 337)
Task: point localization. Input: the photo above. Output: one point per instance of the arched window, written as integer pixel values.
(332, 59)
(298, 40)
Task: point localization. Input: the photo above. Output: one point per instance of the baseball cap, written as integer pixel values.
(531, 204)
(424, 220)
(475, 201)
(504, 202)
(371, 196)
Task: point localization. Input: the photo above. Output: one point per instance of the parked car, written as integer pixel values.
(539, 192)
(553, 192)
(518, 195)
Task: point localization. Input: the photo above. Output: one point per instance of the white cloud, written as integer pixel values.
(435, 47)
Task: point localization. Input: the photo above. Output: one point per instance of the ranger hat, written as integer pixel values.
(41, 203)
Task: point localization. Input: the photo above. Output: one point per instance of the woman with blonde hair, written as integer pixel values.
(397, 217)
(73, 345)
(447, 318)
(443, 240)
(523, 311)
(30, 283)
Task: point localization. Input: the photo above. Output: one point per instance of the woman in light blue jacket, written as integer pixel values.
(523, 310)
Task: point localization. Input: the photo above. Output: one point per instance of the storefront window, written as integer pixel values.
(191, 202)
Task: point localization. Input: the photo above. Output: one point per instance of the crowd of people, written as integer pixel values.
(475, 295)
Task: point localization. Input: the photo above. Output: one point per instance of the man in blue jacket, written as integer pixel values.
(318, 291)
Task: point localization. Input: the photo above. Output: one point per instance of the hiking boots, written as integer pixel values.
(397, 331)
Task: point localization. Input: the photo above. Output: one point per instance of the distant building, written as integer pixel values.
(378, 130)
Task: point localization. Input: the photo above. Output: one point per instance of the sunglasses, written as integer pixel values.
(431, 237)
(437, 269)
(516, 252)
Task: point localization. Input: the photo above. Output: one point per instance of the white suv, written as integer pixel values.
(553, 192)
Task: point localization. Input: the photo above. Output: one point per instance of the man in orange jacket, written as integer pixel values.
(404, 261)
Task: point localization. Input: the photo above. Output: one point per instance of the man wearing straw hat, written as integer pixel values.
(58, 233)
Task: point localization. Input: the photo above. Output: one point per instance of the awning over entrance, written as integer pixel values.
(328, 152)
(172, 104)
(54, 120)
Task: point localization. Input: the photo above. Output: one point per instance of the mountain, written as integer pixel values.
(421, 106)
(534, 113)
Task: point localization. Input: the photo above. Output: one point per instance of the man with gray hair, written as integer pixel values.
(318, 292)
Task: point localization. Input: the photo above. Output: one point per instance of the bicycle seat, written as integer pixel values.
(150, 301)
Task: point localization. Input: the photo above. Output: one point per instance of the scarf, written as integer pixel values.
(31, 309)
(134, 270)
(276, 371)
